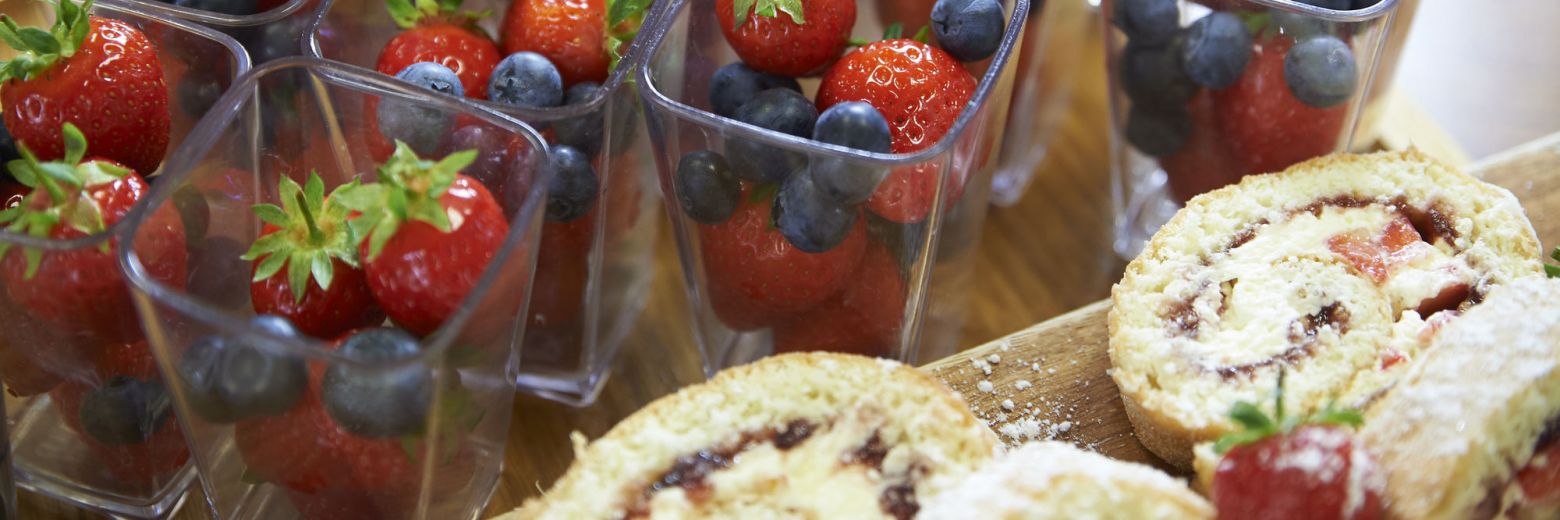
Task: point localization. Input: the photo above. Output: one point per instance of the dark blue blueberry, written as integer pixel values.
(200, 370)
(572, 191)
(374, 396)
(493, 154)
(808, 219)
(232, 7)
(1152, 77)
(1148, 22)
(583, 132)
(228, 380)
(424, 128)
(736, 83)
(125, 410)
(970, 30)
(1362, 4)
(526, 79)
(852, 124)
(1215, 50)
(779, 109)
(1158, 133)
(274, 40)
(707, 190)
(8, 151)
(1320, 71)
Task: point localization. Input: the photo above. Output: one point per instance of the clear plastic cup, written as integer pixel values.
(276, 28)
(296, 459)
(1042, 90)
(50, 365)
(1183, 126)
(593, 273)
(909, 301)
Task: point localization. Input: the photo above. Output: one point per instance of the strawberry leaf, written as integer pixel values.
(270, 214)
(37, 49)
(312, 233)
(270, 266)
(1551, 270)
(894, 31)
(790, 7)
(619, 11)
(740, 10)
(403, 12)
(924, 35)
(763, 192)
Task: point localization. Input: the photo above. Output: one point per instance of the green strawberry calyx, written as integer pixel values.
(1257, 425)
(1550, 269)
(896, 31)
(59, 194)
(624, 17)
(412, 13)
(456, 414)
(312, 232)
(409, 188)
(769, 8)
(37, 49)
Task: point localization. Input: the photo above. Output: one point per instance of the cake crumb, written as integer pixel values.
(1007, 404)
(1051, 371)
(1065, 427)
(994, 359)
(1022, 384)
(985, 386)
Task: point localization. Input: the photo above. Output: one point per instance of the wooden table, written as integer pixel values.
(1040, 258)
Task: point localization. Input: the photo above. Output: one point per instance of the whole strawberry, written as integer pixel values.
(920, 90)
(758, 279)
(81, 288)
(435, 33)
(787, 37)
(1264, 125)
(583, 38)
(324, 291)
(1285, 468)
(863, 319)
(101, 74)
(427, 234)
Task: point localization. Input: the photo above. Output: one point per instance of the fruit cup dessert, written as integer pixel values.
(829, 176)
(343, 340)
(565, 68)
(1207, 91)
(92, 108)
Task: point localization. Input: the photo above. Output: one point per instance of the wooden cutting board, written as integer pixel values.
(1048, 381)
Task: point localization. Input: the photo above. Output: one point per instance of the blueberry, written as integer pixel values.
(1152, 77)
(232, 7)
(493, 154)
(807, 218)
(970, 30)
(1362, 4)
(582, 132)
(707, 190)
(370, 399)
(736, 83)
(1320, 71)
(526, 79)
(1158, 133)
(856, 125)
(227, 380)
(1149, 22)
(572, 191)
(200, 370)
(421, 127)
(274, 40)
(125, 410)
(1215, 50)
(779, 109)
(8, 151)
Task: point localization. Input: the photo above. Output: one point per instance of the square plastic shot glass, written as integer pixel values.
(65, 326)
(1041, 91)
(1205, 92)
(593, 270)
(893, 286)
(268, 29)
(333, 413)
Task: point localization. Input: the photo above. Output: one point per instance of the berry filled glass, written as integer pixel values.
(1205, 92)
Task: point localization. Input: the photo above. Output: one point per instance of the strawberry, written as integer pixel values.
(1292, 468)
(863, 319)
(921, 96)
(101, 74)
(324, 292)
(1540, 479)
(1266, 127)
(434, 32)
(23, 374)
(1205, 162)
(756, 278)
(145, 465)
(583, 38)
(81, 288)
(427, 234)
(562, 266)
(787, 37)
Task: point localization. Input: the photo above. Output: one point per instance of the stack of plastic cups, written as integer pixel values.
(891, 288)
(333, 413)
(594, 269)
(52, 361)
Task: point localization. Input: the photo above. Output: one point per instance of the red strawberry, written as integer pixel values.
(434, 32)
(863, 319)
(324, 292)
(22, 374)
(756, 278)
(1205, 162)
(770, 37)
(562, 266)
(1278, 469)
(81, 288)
(1266, 127)
(580, 37)
(146, 465)
(103, 75)
(428, 232)
(1540, 479)
(921, 93)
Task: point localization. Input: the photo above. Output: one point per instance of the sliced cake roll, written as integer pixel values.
(791, 436)
(1337, 270)
(1473, 429)
(1047, 480)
